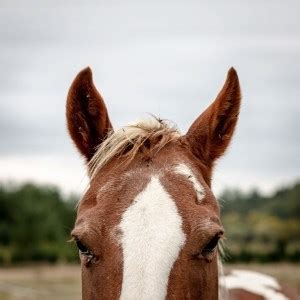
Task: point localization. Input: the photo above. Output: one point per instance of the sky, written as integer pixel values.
(168, 58)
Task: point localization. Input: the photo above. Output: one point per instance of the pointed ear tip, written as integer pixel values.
(85, 73)
(82, 79)
(232, 73)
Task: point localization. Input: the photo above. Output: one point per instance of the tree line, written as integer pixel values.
(262, 228)
(36, 220)
(35, 224)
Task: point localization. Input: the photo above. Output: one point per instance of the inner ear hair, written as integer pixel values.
(87, 117)
(210, 135)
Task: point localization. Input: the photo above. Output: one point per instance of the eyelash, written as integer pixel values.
(209, 249)
(211, 246)
(83, 250)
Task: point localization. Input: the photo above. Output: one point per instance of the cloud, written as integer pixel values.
(166, 58)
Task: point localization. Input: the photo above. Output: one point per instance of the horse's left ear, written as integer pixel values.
(87, 116)
(210, 134)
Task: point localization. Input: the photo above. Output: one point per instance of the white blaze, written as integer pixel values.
(151, 241)
(184, 170)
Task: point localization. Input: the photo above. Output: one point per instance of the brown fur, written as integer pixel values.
(115, 185)
(238, 294)
(210, 135)
(88, 121)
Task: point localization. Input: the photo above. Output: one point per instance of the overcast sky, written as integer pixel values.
(169, 58)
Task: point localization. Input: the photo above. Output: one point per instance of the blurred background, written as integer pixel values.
(168, 58)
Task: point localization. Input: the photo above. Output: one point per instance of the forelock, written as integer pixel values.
(150, 135)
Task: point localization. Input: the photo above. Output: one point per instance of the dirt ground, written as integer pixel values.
(62, 282)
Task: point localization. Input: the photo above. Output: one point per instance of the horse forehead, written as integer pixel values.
(135, 180)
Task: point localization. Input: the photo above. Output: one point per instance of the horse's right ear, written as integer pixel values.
(87, 117)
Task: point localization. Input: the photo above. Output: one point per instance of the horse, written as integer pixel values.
(148, 226)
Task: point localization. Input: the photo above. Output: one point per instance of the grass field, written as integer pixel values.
(63, 282)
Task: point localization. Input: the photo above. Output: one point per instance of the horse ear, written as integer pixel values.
(87, 117)
(210, 134)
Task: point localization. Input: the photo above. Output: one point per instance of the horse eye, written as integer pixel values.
(82, 248)
(89, 256)
(211, 245)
